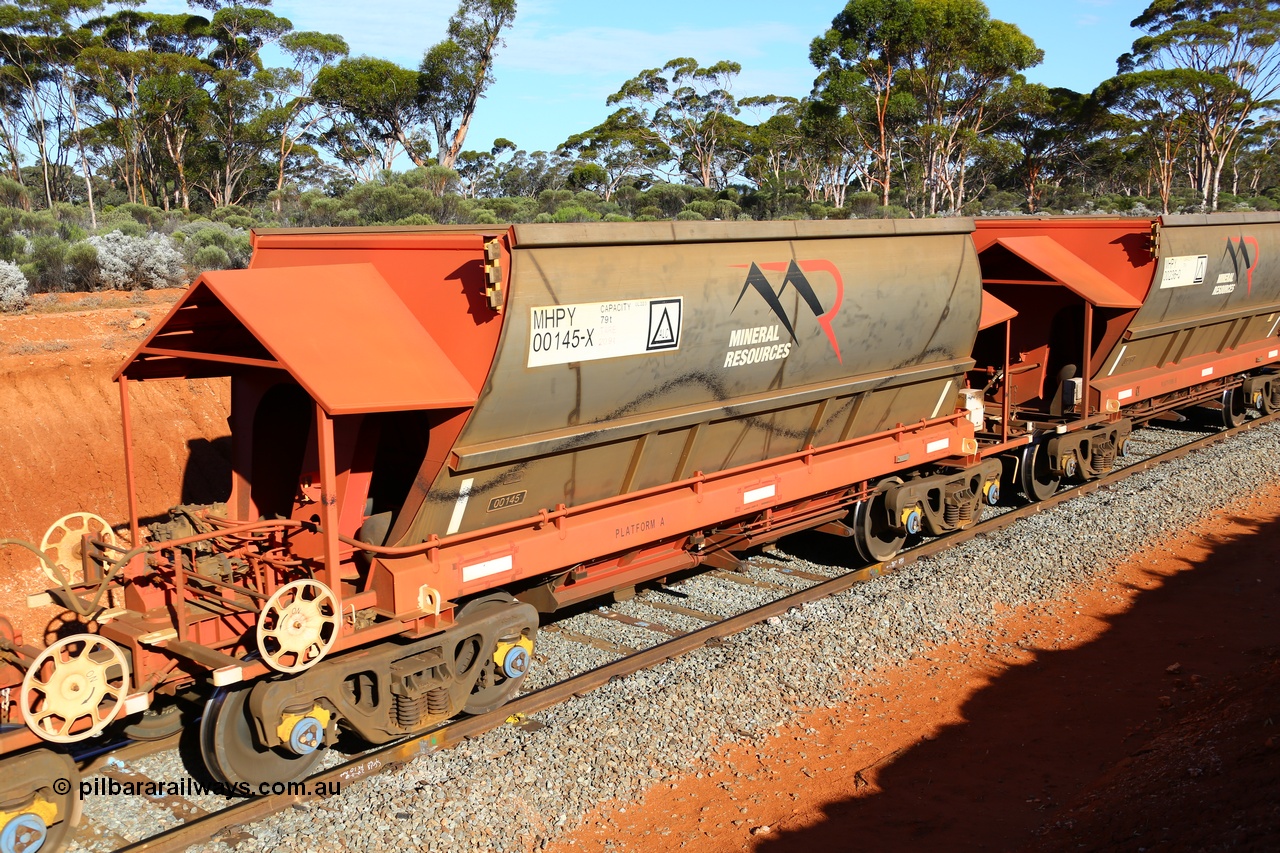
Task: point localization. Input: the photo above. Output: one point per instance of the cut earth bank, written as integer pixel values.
(60, 428)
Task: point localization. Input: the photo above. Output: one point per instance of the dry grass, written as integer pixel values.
(88, 303)
(31, 347)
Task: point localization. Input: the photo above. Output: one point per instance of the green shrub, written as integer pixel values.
(45, 263)
(151, 217)
(222, 214)
(704, 209)
(211, 258)
(690, 215)
(416, 219)
(81, 266)
(550, 200)
(512, 209)
(12, 193)
(668, 198)
(194, 237)
(128, 227)
(574, 213)
(1002, 201)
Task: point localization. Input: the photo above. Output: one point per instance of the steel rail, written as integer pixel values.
(391, 756)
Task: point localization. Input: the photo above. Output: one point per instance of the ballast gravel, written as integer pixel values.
(514, 789)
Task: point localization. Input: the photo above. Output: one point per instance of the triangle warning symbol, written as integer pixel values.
(662, 333)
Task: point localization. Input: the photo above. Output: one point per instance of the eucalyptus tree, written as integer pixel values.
(10, 131)
(176, 108)
(39, 40)
(619, 150)
(1218, 62)
(293, 111)
(1046, 130)
(527, 174)
(959, 69)
(1256, 161)
(1154, 107)
(374, 113)
(921, 76)
(235, 136)
(690, 110)
(859, 60)
(457, 71)
(146, 76)
(833, 159)
(774, 145)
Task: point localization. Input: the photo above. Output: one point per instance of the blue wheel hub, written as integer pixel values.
(306, 737)
(26, 833)
(913, 522)
(516, 662)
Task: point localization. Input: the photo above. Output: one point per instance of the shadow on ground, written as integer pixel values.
(1101, 746)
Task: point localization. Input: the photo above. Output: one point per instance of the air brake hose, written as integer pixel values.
(74, 600)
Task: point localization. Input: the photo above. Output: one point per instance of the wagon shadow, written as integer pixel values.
(1039, 734)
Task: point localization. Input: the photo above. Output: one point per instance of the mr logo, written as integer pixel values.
(794, 276)
(1243, 253)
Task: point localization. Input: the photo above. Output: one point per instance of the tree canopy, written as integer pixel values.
(114, 117)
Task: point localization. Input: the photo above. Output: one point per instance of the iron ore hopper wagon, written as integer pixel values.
(439, 433)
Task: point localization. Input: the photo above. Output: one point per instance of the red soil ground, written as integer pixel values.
(1139, 713)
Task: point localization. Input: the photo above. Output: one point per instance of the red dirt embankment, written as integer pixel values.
(60, 431)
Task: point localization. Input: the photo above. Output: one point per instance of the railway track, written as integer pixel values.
(776, 575)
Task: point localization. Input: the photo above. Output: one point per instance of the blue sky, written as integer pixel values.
(564, 57)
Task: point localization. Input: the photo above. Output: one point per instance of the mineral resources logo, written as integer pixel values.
(793, 275)
(1243, 254)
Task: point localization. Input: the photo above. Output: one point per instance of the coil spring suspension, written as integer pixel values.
(409, 710)
(437, 702)
(959, 508)
(1104, 457)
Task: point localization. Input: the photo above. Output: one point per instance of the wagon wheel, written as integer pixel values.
(874, 538)
(1036, 479)
(493, 687)
(63, 542)
(298, 625)
(1235, 408)
(1269, 396)
(82, 677)
(230, 748)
